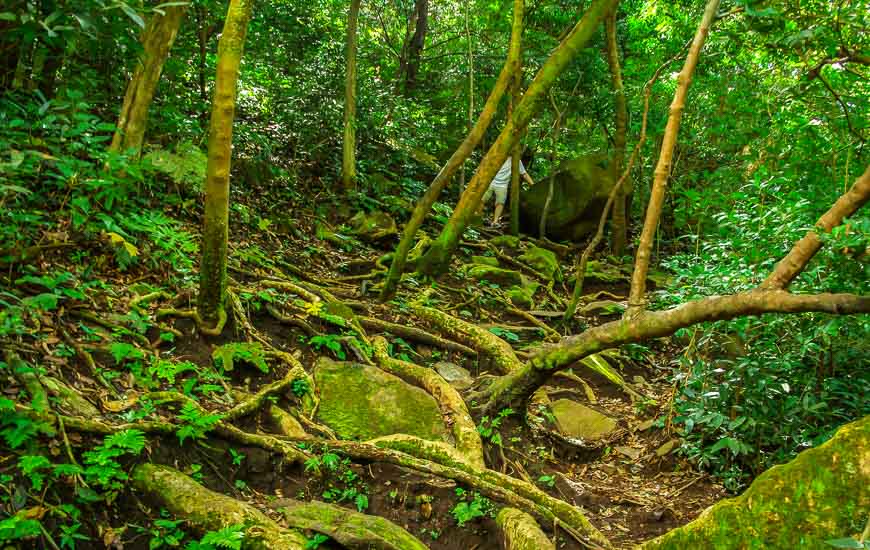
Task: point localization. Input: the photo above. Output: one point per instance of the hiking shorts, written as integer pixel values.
(501, 193)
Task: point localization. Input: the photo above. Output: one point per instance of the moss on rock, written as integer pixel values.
(373, 226)
(363, 402)
(502, 277)
(820, 495)
(506, 241)
(544, 262)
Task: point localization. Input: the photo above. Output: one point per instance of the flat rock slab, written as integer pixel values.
(364, 402)
(580, 422)
(455, 375)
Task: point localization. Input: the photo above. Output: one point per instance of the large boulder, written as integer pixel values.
(819, 496)
(364, 402)
(580, 190)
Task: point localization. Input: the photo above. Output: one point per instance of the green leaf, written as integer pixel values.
(131, 13)
(42, 302)
(844, 543)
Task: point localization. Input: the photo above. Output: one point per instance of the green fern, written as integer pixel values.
(102, 467)
(230, 538)
(196, 424)
(252, 353)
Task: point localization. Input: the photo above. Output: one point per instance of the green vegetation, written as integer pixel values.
(205, 204)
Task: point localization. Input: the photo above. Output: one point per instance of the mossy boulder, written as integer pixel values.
(506, 241)
(523, 296)
(485, 260)
(580, 422)
(543, 261)
(820, 495)
(580, 190)
(502, 277)
(373, 227)
(364, 402)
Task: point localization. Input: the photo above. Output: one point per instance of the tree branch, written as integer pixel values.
(803, 251)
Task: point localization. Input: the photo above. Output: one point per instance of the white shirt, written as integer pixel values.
(503, 177)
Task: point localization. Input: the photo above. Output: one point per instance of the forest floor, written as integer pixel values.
(633, 487)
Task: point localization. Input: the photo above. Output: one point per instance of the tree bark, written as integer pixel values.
(619, 229)
(213, 266)
(418, 42)
(637, 294)
(400, 256)
(521, 383)
(157, 39)
(348, 164)
(437, 259)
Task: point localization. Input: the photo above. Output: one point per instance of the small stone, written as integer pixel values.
(522, 296)
(580, 422)
(638, 379)
(646, 424)
(667, 447)
(374, 226)
(543, 261)
(455, 375)
(506, 241)
(502, 277)
(630, 452)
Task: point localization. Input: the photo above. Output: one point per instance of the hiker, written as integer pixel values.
(500, 185)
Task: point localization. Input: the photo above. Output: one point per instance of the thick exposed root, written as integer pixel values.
(500, 352)
(201, 325)
(453, 407)
(415, 334)
(257, 401)
(209, 511)
(521, 532)
(424, 457)
(350, 529)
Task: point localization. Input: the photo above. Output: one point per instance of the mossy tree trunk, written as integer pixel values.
(213, 266)
(438, 257)
(348, 164)
(157, 39)
(620, 217)
(516, 55)
(456, 160)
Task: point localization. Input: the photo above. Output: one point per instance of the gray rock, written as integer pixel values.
(455, 375)
(580, 422)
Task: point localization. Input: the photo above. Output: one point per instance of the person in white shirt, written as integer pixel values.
(500, 185)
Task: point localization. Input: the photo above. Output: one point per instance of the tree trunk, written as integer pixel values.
(348, 164)
(470, 88)
(400, 256)
(438, 257)
(637, 295)
(157, 39)
(620, 222)
(516, 91)
(213, 266)
(418, 42)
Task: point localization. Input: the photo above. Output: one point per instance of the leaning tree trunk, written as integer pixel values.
(637, 294)
(516, 87)
(213, 267)
(456, 160)
(157, 39)
(348, 164)
(620, 222)
(437, 258)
